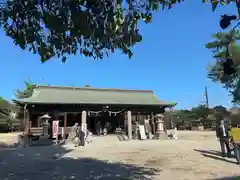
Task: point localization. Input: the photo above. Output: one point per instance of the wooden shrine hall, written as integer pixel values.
(87, 105)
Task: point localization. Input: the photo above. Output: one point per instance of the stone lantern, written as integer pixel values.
(160, 126)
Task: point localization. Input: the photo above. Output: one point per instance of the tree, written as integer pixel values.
(183, 115)
(1, 99)
(92, 28)
(27, 91)
(235, 119)
(201, 111)
(220, 112)
(9, 115)
(220, 108)
(95, 28)
(226, 51)
(225, 71)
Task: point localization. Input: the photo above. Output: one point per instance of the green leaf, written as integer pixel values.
(222, 2)
(155, 6)
(64, 59)
(214, 4)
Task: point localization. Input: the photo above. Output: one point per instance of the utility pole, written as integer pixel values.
(206, 96)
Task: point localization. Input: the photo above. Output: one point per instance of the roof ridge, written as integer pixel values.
(90, 88)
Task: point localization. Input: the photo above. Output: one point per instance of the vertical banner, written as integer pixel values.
(55, 129)
(142, 132)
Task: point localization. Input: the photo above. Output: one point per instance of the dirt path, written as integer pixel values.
(194, 156)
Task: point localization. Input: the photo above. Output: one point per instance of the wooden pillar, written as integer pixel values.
(125, 123)
(25, 125)
(153, 124)
(65, 126)
(129, 121)
(149, 126)
(27, 122)
(55, 115)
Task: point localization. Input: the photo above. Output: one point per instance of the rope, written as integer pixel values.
(105, 110)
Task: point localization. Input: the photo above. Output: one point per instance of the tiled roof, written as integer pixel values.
(89, 95)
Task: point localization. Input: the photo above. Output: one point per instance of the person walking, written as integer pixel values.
(223, 136)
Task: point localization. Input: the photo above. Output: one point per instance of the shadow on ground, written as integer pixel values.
(210, 152)
(214, 155)
(3, 145)
(49, 162)
(228, 178)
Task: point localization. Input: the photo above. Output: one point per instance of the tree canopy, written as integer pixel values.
(93, 28)
(225, 70)
(199, 112)
(27, 91)
(226, 52)
(202, 113)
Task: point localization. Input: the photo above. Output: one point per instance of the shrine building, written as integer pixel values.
(87, 105)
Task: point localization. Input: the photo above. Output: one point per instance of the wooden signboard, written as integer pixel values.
(235, 132)
(142, 132)
(84, 129)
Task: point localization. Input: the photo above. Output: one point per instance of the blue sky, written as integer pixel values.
(171, 60)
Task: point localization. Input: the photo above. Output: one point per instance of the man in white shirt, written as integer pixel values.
(223, 136)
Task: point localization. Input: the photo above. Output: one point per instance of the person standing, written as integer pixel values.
(76, 136)
(98, 128)
(236, 144)
(223, 136)
(108, 127)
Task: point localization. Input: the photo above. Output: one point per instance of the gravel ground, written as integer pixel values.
(194, 156)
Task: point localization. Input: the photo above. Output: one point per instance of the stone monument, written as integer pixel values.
(160, 134)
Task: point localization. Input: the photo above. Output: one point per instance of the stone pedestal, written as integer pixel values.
(23, 140)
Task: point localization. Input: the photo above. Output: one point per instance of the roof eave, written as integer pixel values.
(31, 102)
